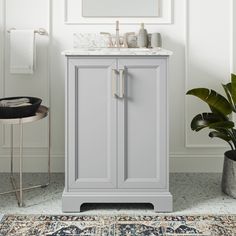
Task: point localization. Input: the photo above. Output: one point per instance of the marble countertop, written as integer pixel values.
(117, 51)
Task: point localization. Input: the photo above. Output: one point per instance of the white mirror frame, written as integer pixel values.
(73, 15)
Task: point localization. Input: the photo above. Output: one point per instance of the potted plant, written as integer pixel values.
(218, 120)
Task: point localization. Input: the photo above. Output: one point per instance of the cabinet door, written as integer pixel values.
(91, 122)
(142, 124)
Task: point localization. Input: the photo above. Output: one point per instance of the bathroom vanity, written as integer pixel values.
(117, 128)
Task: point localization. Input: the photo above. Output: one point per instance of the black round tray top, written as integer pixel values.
(21, 111)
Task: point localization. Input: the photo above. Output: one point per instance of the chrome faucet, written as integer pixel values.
(117, 41)
(117, 35)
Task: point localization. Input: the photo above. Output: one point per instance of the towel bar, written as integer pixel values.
(40, 31)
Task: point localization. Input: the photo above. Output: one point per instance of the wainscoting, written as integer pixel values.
(202, 35)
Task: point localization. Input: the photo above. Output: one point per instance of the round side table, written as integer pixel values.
(41, 113)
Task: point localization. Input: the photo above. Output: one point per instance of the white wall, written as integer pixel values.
(202, 37)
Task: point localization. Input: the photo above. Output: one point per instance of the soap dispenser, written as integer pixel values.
(142, 37)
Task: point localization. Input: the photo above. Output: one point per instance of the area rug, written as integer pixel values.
(118, 225)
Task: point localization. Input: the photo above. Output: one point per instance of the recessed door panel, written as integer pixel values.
(142, 125)
(92, 133)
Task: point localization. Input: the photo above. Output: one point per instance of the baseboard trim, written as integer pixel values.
(186, 163)
(186, 155)
(179, 162)
(34, 163)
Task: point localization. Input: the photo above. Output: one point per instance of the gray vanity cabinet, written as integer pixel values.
(116, 131)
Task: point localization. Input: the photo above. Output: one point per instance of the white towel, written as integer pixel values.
(14, 102)
(23, 54)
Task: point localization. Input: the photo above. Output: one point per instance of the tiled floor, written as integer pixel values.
(192, 194)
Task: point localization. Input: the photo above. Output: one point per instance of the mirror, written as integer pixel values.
(120, 8)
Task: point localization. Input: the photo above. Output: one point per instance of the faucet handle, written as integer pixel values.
(126, 38)
(110, 38)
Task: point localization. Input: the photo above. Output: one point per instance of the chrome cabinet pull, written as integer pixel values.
(114, 83)
(122, 83)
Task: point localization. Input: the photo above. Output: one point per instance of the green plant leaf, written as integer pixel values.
(233, 87)
(215, 101)
(216, 134)
(221, 125)
(228, 92)
(203, 120)
(224, 137)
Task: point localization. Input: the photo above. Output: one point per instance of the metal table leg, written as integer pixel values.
(49, 147)
(13, 182)
(21, 165)
(49, 151)
(19, 191)
(12, 150)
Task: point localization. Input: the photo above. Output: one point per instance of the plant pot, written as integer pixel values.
(228, 183)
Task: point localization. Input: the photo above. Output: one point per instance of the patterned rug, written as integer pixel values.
(118, 225)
